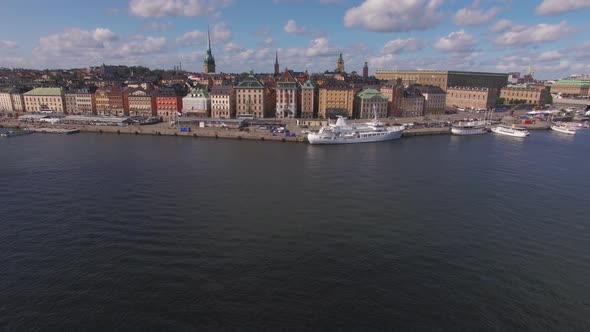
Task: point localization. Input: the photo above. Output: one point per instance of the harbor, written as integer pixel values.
(286, 130)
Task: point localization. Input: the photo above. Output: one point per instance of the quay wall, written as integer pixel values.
(252, 134)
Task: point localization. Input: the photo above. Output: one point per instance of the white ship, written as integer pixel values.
(469, 128)
(564, 129)
(344, 132)
(510, 131)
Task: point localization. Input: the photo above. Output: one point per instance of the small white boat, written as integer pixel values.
(469, 128)
(563, 129)
(510, 131)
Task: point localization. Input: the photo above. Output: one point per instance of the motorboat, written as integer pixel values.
(469, 128)
(510, 131)
(564, 129)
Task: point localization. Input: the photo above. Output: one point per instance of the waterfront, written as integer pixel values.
(146, 232)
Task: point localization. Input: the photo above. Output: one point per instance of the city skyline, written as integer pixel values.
(499, 36)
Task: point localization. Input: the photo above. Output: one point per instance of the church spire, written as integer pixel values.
(209, 63)
(277, 68)
(208, 39)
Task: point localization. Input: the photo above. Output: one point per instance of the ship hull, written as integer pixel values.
(468, 131)
(511, 133)
(563, 130)
(321, 139)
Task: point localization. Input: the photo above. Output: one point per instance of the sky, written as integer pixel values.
(481, 35)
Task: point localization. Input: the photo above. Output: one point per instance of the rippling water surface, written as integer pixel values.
(145, 233)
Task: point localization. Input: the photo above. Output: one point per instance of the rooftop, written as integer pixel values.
(250, 82)
(370, 93)
(430, 89)
(572, 82)
(44, 92)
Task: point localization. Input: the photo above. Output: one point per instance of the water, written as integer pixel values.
(112, 232)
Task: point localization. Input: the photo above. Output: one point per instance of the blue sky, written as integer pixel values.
(486, 35)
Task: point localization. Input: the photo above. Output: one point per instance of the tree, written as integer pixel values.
(500, 101)
(549, 99)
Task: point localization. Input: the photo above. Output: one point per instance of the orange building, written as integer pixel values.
(168, 101)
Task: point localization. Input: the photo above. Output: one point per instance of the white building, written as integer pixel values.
(197, 102)
(6, 102)
(18, 102)
(287, 97)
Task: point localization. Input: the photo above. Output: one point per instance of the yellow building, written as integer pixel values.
(445, 79)
(475, 98)
(523, 93)
(141, 102)
(253, 98)
(569, 87)
(336, 98)
(309, 100)
(45, 99)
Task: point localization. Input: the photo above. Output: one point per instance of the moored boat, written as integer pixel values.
(12, 133)
(345, 132)
(510, 131)
(469, 128)
(563, 129)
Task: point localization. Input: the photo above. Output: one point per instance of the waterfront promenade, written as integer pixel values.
(435, 125)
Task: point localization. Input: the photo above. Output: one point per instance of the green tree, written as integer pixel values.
(500, 101)
(549, 99)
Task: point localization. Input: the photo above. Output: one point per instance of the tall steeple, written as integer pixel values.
(209, 62)
(208, 39)
(277, 68)
(366, 71)
(340, 64)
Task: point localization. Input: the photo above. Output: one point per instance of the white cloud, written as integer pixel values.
(268, 41)
(502, 25)
(474, 16)
(189, 38)
(397, 46)
(219, 34)
(399, 16)
(190, 8)
(104, 35)
(7, 44)
(292, 27)
(540, 33)
(456, 42)
(147, 45)
(320, 47)
(557, 7)
(76, 40)
(384, 61)
(550, 55)
(232, 47)
(78, 47)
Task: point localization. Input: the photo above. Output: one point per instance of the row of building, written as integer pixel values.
(253, 98)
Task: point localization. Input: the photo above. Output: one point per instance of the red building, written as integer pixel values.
(168, 101)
